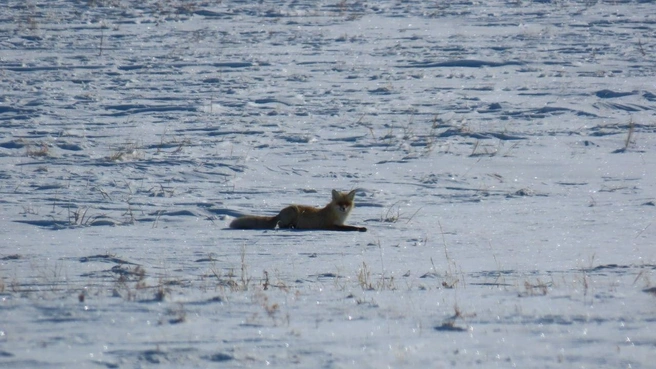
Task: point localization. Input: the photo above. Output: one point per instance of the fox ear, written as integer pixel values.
(335, 195)
(351, 195)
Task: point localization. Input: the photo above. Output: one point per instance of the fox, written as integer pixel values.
(329, 218)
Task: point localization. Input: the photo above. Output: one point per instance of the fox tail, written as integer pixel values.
(254, 222)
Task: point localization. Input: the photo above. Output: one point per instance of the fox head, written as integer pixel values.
(343, 201)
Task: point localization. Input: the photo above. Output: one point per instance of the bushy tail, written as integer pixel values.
(254, 222)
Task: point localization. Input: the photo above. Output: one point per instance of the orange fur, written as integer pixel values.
(331, 217)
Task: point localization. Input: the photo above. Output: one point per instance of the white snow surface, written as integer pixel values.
(502, 152)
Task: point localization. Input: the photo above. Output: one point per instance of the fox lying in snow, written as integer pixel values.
(329, 218)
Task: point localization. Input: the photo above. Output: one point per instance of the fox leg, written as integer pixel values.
(347, 228)
(287, 217)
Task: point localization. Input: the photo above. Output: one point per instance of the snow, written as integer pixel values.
(500, 151)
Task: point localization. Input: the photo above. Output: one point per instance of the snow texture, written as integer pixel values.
(502, 152)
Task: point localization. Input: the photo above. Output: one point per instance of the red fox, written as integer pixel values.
(329, 218)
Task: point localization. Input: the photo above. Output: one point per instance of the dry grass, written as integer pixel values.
(451, 279)
(630, 140)
(629, 136)
(449, 324)
(230, 280)
(393, 214)
(40, 151)
(368, 282)
(129, 151)
(537, 288)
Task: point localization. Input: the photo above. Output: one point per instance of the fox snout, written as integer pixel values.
(343, 207)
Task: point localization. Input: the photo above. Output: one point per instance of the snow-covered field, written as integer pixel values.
(503, 154)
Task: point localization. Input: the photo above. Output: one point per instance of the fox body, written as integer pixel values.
(331, 217)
